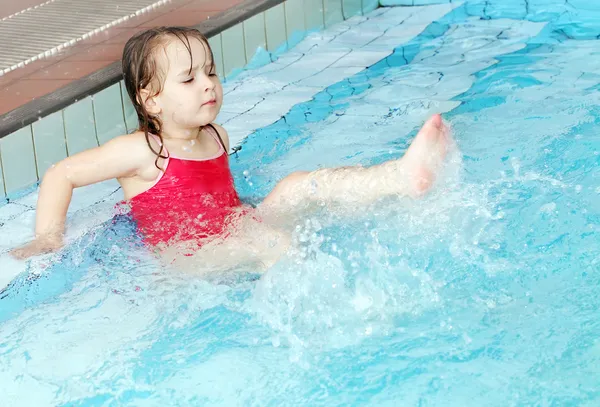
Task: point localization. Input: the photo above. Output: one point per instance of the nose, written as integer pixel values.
(207, 83)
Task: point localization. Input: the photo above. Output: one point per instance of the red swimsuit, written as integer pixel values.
(190, 200)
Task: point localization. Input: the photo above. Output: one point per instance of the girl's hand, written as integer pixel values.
(123, 156)
(40, 245)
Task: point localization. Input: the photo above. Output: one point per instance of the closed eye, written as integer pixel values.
(189, 80)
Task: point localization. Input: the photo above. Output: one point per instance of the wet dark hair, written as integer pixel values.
(141, 71)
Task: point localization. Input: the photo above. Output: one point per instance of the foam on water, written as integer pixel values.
(486, 292)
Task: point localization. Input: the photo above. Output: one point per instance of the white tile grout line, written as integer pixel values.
(60, 47)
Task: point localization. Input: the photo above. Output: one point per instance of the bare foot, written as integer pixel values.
(425, 156)
(36, 247)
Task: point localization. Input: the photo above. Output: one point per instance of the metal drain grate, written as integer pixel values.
(44, 30)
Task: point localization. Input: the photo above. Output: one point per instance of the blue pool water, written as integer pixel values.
(485, 293)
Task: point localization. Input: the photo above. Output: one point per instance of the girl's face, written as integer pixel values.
(189, 98)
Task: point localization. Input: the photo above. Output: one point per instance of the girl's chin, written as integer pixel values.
(203, 120)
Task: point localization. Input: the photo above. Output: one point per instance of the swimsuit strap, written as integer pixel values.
(218, 138)
(160, 143)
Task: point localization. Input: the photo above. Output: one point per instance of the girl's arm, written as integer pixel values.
(121, 157)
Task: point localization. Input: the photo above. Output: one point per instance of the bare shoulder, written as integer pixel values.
(136, 140)
(223, 134)
(135, 144)
(122, 157)
(132, 151)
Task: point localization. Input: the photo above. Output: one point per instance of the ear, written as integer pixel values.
(148, 100)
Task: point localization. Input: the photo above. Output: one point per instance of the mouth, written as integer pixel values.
(211, 102)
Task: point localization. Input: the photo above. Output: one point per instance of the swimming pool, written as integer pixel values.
(486, 293)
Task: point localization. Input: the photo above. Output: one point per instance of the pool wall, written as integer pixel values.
(98, 108)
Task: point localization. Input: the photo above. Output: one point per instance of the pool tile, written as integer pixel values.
(254, 35)
(358, 40)
(18, 160)
(108, 114)
(88, 196)
(234, 52)
(330, 76)
(79, 126)
(250, 122)
(225, 117)
(49, 141)
(217, 50)
(2, 189)
(275, 28)
(129, 113)
(236, 137)
(306, 67)
(333, 12)
(295, 27)
(232, 103)
(281, 102)
(392, 3)
(351, 8)
(11, 211)
(369, 5)
(360, 58)
(313, 15)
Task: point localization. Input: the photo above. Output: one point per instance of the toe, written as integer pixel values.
(436, 121)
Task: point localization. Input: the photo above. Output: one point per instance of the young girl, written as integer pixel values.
(174, 170)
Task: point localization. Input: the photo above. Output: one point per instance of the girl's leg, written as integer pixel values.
(258, 242)
(411, 175)
(251, 244)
